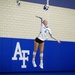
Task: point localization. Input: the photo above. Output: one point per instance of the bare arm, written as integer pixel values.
(54, 38)
(40, 18)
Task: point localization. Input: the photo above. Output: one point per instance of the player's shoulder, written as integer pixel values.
(48, 29)
(42, 24)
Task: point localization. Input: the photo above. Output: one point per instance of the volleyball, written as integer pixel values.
(18, 2)
(46, 7)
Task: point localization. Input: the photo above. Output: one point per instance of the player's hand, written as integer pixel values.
(58, 41)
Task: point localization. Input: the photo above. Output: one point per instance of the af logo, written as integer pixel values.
(21, 54)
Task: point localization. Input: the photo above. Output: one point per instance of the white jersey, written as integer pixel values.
(43, 32)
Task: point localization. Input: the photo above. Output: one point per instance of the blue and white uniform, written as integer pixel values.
(43, 32)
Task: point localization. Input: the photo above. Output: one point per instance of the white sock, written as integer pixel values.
(41, 55)
(34, 54)
(33, 59)
(41, 61)
(41, 64)
(33, 62)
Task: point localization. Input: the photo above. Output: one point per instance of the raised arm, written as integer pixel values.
(54, 38)
(40, 18)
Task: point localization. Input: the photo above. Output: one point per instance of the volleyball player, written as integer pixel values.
(39, 41)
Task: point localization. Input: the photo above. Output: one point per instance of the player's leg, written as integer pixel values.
(34, 53)
(35, 48)
(41, 54)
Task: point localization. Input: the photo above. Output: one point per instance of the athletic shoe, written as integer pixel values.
(34, 64)
(41, 65)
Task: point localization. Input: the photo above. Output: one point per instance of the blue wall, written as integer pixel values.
(59, 3)
(57, 57)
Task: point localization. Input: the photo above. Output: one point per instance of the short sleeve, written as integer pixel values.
(49, 31)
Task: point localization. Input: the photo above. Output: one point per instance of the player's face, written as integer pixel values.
(45, 22)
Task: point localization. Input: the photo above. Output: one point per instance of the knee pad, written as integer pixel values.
(41, 54)
(34, 53)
